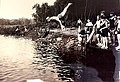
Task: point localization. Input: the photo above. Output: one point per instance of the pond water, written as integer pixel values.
(23, 59)
(17, 61)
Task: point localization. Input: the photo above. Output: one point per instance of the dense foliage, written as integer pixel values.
(83, 9)
(21, 21)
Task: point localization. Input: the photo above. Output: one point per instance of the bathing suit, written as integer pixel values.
(104, 31)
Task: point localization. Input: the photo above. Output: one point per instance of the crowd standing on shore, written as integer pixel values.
(104, 30)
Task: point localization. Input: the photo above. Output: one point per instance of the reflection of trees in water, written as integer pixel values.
(66, 62)
(47, 55)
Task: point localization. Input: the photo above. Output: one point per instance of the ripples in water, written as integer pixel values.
(23, 59)
(47, 56)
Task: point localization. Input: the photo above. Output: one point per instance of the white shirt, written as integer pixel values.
(118, 24)
(89, 24)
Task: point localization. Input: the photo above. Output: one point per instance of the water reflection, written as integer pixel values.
(48, 57)
(15, 58)
(22, 59)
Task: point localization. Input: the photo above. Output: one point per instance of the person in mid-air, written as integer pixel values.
(57, 18)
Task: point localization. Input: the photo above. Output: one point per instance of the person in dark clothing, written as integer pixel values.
(81, 31)
(112, 26)
(118, 33)
(104, 30)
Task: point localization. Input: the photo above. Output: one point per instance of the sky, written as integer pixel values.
(14, 9)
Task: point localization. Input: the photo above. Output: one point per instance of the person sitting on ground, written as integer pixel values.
(57, 18)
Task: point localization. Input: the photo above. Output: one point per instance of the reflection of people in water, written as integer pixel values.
(57, 18)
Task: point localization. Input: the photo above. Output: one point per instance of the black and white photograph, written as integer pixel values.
(59, 40)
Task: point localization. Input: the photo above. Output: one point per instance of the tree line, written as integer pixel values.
(82, 9)
(20, 21)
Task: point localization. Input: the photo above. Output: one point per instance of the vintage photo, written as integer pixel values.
(59, 41)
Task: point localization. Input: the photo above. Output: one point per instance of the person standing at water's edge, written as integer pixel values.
(98, 32)
(89, 27)
(104, 29)
(118, 32)
(112, 26)
(80, 30)
(57, 18)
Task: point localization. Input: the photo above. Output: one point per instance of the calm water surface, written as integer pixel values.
(16, 60)
(20, 60)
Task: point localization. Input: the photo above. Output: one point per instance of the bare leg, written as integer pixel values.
(62, 26)
(57, 18)
(79, 39)
(106, 43)
(78, 29)
(64, 11)
(98, 40)
(103, 42)
(118, 37)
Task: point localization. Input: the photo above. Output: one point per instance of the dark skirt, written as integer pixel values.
(82, 32)
(105, 32)
(98, 31)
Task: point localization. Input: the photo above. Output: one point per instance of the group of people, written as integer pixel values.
(104, 30)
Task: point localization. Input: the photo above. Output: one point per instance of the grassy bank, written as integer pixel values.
(29, 31)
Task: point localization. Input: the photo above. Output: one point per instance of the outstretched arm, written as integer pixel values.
(64, 11)
(56, 19)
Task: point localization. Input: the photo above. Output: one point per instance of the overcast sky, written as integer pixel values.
(12, 9)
